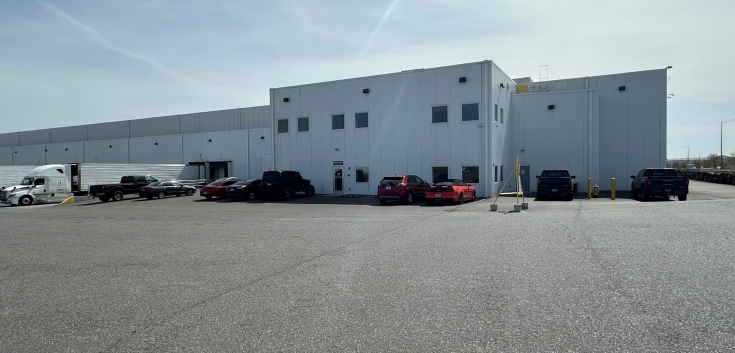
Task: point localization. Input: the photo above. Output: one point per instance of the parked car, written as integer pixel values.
(555, 183)
(406, 188)
(161, 189)
(284, 184)
(246, 189)
(130, 184)
(664, 182)
(455, 190)
(217, 188)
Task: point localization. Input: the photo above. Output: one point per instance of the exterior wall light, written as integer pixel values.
(463, 79)
(621, 88)
(366, 90)
(551, 107)
(285, 100)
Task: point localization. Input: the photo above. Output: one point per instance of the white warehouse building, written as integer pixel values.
(468, 121)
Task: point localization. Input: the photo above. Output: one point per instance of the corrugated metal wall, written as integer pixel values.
(223, 120)
(35, 154)
(108, 131)
(35, 137)
(106, 151)
(255, 117)
(9, 139)
(6, 155)
(156, 149)
(62, 153)
(161, 126)
(69, 134)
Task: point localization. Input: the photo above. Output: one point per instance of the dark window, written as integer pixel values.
(497, 172)
(149, 178)
(60, 171)
(470, 112)
(439, 173)
(303, 124)
(439, 114)
(271, 176)
(229, 182)
(419, 180)
(361, 175)
(446, 182)
(555, 174)
(361, 120)
(296, 175)
(496, 112)
(282, 125)
(660, 172)
(391, 180)
(471, 174)
(502, 118)
(501, 173)
(39, 182)
(412, 179)
(338, 122)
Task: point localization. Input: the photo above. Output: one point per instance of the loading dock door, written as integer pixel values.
(525, 180)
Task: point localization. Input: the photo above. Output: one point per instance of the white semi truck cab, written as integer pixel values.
(52, 183)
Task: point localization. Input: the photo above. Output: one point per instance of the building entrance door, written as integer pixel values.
(525, 173)
(338, 187)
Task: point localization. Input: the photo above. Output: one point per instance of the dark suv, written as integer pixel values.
(404, 188)
(284, 184)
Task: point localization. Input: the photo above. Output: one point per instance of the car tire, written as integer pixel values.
(634, 192)
(161, 195)
(461, 199)
(682, 197)
(190, 192)
(310, 191)
(104, 198)
(252, 196)
(118, 195)
(473, 196)
(409, 198)
(382, 202)
(287, 194)
(25, 201)
(644, 197)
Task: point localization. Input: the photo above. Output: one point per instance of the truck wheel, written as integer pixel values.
(682, 197)
(25, 201)
(644, 197)
(461, 199)
(251, 195)
(161, 195)
(634, 192)
(118, 195)
(383, 201)
(190, 192)
(287, 194)
(310, 191)
(409, 198)
(104, 198)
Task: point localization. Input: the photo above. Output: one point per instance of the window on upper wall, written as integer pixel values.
(470, 112)
(497, 172)
(502, 117)
(496, 112)
(338, 122)
(282, 125)
(303, 124)
(439, 114)
(501, 173)
(439, 173)
(362, 175)
(361, 120)
(471, 174)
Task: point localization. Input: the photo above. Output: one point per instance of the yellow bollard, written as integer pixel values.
(612, 188)
(589, 188)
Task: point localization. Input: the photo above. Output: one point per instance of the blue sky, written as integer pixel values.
(87, 61)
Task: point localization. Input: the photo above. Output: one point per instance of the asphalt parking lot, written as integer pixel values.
(329, 274)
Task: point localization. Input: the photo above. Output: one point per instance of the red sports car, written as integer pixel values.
(455, 190)
(217, 188)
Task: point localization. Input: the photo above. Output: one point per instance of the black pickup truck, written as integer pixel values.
(284, 184)
(130, 184)
(664, 182)
(555, 183)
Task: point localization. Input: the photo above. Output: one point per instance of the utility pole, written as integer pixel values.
(722, 166)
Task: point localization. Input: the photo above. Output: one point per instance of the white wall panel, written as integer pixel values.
(224, 146)
(106, 151)
(255, 117)
(35, 137)
(108, 131)
(62, 153)
(29, 155)
(6, 155)
(69, 134)
(259, 142)
(160, 126)
(157, 150)
(222, 120)
(9, 139)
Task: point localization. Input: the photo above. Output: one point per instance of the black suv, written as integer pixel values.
(284, 184)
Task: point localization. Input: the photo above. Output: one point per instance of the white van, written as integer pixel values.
(45, 184)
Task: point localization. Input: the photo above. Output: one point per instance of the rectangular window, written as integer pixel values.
(439, 114)
(361, 175)
(303, 124)
(501, 170)
(502, 117)
(496, 173)
(470, 112)
(471, 174)
(496, 112)
(338, 122)
(361, 120)
(282, 125)
(439, 173)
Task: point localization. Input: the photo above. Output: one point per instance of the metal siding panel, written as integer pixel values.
(106, 173)
(63, 153)
(9, 139)
(35, 137)
(256, 148)
(69, 134)
(108, 131)
(145, 150)
(317, 131)
(442, 138)
(106, 151)
(255, 117)
(6, 156)
(223, 120)
(159, 126)
(428, 129)
(29, 155)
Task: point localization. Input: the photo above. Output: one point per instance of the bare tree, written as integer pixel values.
(713, 160)
(698, 163)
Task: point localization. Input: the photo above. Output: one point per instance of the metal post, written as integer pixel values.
(612, 188)
(589, 188)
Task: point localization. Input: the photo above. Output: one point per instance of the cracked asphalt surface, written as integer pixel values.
(329, 274)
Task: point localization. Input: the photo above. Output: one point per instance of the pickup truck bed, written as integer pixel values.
(663, 182)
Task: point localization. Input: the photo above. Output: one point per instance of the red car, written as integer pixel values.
(455, 190)
(217, 188)
(404, 188)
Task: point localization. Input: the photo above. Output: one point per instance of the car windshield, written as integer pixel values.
(154, 184)
(217, 183)
(27, 181)
(555, 174)
(271, 176)
(448, 182)
(661, 172)
(391, 180)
